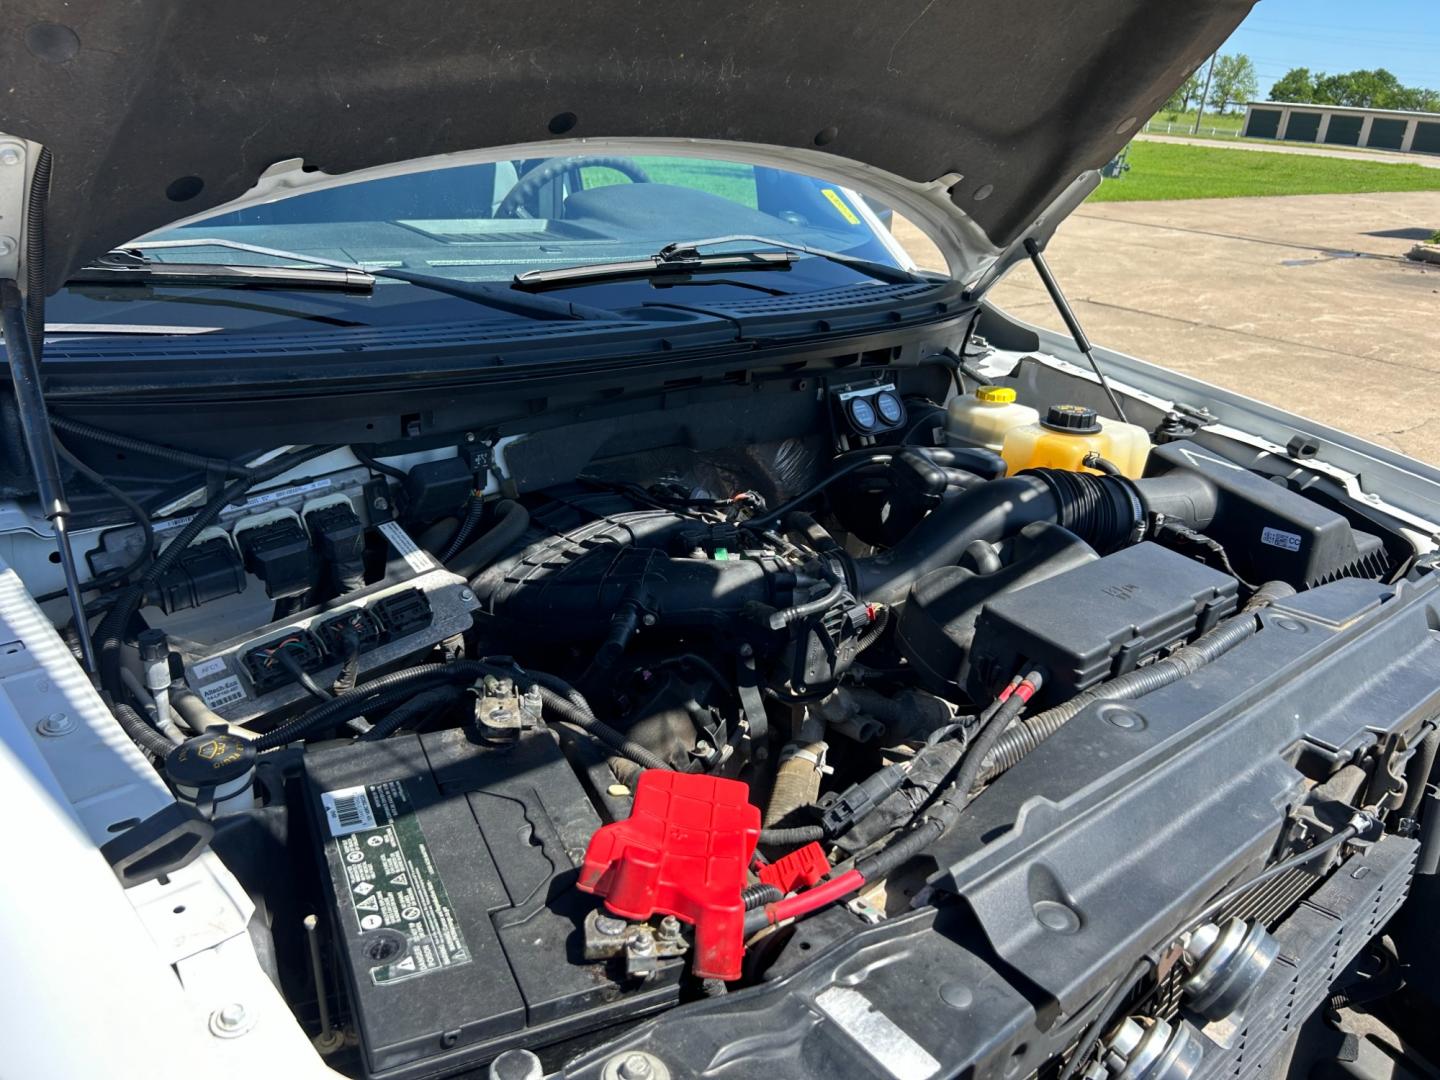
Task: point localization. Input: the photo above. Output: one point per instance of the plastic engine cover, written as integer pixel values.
(1098, 620)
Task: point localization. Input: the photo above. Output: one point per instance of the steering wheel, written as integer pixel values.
(513, 205)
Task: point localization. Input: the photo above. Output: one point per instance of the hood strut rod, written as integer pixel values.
(40, 443)
(1071, 322)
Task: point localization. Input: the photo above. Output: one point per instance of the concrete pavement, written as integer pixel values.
(1306, 301)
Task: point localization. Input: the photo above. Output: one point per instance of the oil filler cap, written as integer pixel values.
(211, 768)
(1073, 419)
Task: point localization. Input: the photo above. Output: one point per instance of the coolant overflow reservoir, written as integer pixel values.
(984, 418)
(1068, 433)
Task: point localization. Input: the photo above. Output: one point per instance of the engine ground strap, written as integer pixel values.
(752, 705)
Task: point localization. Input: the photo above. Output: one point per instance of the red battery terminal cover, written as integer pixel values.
(803, 866)
(683, 851)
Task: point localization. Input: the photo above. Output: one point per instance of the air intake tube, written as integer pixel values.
(1107, 512)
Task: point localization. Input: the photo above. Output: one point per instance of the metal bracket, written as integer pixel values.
(16, 156)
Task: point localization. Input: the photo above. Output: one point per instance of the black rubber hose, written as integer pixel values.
(791, 837)
(1021, 739)
(337, 710)
(426, 703)
(149, 449)
(785, 616)
(1105, 511)
(1093, 460)
(809, 493)
(760, 894)
(983, 554)
(35, 286)
(814, 535)
(511, 521)
(148, 738)
(473, 513)
(1417, 775)
(565, 700)
(559, 696)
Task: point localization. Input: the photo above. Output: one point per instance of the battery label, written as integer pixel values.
(395, 893)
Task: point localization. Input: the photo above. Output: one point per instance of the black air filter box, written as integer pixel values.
(1097, 621)
(937, 624)
(1269, 532)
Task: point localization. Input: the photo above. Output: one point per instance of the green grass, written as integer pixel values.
(1171, 171)
(1184, 122)
(727, 179)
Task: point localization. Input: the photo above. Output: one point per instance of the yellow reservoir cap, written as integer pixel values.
(999, 395)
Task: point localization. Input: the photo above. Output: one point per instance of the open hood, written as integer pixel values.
(154, 110)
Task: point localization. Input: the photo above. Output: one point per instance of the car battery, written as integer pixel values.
(450, 865)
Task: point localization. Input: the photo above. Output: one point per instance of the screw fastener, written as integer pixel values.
(7, 245)
(231, 1020)
(635, 1067)
(55, 725)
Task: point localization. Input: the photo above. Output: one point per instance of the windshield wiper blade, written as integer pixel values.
(685, 256)
(130, 264)
(651, 266)
(132, 250)
(686, 249)
(224, 274)
(501, 298)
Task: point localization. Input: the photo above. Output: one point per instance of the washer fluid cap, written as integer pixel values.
(998, 395)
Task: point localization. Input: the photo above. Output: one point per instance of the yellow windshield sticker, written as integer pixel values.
(841, 205)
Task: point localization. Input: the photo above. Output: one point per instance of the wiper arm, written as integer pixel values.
(236, 245)
(223, 274)
(501, 299)
(685, 249)
(130, 264)
(651, 266)
(685, 256)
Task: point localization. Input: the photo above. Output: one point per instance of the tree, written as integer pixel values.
(1364, 89)
(1377, 89)
(1297, 84)
(1186, 93)
(1234, 81)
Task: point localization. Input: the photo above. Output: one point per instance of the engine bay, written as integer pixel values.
(527, 737)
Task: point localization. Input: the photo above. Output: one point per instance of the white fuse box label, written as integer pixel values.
(1280, 539)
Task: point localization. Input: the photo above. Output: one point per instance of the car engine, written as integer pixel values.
(522, 742)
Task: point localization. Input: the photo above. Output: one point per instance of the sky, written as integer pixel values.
(1342, 35)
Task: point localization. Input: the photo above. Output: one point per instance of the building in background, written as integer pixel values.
(1340, 125)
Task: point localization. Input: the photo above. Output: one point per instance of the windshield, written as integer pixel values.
(491, 221)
